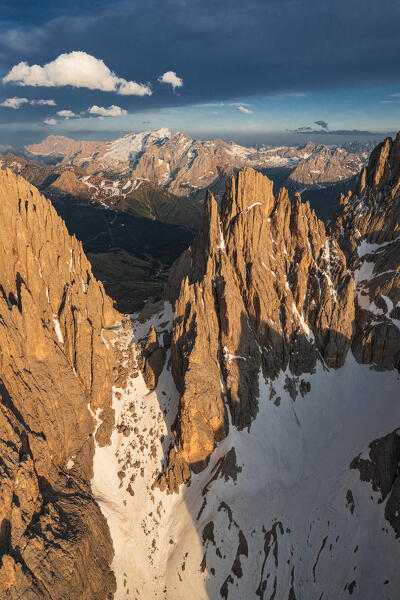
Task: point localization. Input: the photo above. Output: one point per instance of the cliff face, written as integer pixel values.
(55, 378)
(367, 226)
(261, 287)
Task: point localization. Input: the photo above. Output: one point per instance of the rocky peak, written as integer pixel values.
(262, 286)
(308, 148)
(367, 226)
(382, 175)
(249, 189)
(371, 212)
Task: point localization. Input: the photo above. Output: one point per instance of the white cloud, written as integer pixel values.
(131, 88)
(66, 113)
(14, 103)
(17, 102)
(245, 110)
(171, 78)
(50, 122)
(43, 102)
(77, 69)
(111, 111)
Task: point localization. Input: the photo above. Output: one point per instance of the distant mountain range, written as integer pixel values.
(136, 202)
(187, 167)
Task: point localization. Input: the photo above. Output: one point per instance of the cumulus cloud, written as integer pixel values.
(66, 113)
(171, 78)
(14, 103)
(322, 124)
(244, 110)
(50, 121)
(18, 102)
(131, 88)
(111, 111)
(78, 69)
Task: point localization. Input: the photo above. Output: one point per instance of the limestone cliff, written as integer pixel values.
(261, 287)
(367, 226)
(55, 380)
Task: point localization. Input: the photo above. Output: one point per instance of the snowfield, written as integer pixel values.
(278, 512)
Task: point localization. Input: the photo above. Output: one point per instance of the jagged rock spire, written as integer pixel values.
(263, 288)
(367, 226)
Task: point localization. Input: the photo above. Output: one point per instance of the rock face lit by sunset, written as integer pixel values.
(199, 300)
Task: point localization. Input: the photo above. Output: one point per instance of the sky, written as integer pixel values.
(259, 71)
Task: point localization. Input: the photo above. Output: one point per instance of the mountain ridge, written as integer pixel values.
(186, 166)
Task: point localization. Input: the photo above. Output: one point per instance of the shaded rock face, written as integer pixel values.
(367, 226)
(262, 286)
(152, 360)
(381, 469)
(371, 212)
(55, 380)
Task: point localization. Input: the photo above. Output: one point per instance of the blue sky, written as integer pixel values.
(255, 71)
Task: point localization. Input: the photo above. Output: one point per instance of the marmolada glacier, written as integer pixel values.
(237, 438)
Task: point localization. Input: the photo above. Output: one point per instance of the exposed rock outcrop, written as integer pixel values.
(381, 469)
(367, 226)
(55, 388)
(152, 359)
(262, 286)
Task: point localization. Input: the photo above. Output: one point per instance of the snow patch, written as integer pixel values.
(57, 329)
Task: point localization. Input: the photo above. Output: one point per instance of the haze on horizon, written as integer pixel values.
(256, 72)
